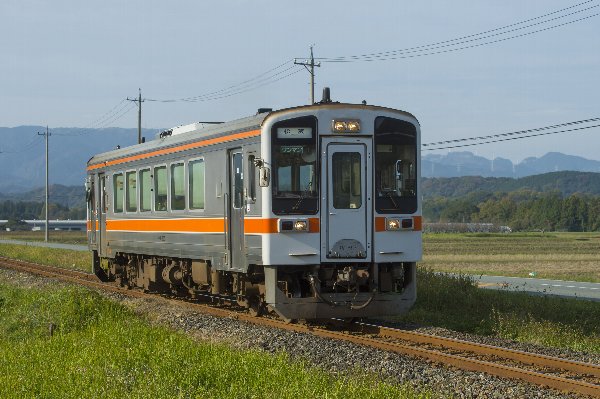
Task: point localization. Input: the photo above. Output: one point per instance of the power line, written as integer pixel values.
(107, 114)
(31, 144)
(114, 116)
(511, 138)
(271, 76)
(510, 133)
(454, 44)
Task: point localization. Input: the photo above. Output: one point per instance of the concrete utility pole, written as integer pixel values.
(46, 135)
(312, 66)
(139, 102)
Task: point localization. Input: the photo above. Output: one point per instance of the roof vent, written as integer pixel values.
(263, 110)
(165, 133)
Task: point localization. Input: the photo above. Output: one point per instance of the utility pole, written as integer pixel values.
(46, 135)
(311, 70)
(139, 102)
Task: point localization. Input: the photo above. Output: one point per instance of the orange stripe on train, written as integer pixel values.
(197, 144)
(197, 225)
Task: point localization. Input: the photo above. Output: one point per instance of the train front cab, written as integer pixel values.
(344, 191)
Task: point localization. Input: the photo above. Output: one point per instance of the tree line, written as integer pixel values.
(521, 210)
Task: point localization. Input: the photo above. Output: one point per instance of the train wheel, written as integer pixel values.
(256, 308)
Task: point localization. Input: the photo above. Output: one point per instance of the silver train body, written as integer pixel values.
(311, 212)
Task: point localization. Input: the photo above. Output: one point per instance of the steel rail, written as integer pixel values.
(465, 363)
(482, 349)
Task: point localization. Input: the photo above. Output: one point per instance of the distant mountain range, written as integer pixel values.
(22, 156)
(464, 163)
(22, 161)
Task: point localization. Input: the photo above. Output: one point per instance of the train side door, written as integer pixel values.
(101, 212)
(92, 209)
(347, 205)
(236, 210)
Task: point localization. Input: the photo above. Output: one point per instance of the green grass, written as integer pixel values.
(49, 256)
(456, 303)
(101, 349)
(563, 256)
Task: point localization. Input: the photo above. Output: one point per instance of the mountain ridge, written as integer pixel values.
(465, 163)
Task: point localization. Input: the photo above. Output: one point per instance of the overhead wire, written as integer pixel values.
(510, 133)
(110, 117)
(503, 137)
(36, 140)
(271, 76)
(454, 44)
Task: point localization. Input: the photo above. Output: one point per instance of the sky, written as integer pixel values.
(74, 63)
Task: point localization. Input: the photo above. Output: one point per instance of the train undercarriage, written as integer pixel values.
(348, 289)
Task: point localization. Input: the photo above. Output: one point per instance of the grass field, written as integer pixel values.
(99, 349)
(563, 256)
(48, 256)
(455, 302)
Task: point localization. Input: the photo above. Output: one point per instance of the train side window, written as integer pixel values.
(160, 188)
(177, 187)
(131, 193)
(196, 175)
(118, 192)
(145, 190)
(251, 193)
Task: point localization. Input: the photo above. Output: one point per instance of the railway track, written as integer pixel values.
(561, 374)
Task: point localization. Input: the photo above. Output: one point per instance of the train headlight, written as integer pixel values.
(339, 126)
(345, 126)
(293, 225)
(353, 126)
(300, 225)
(392, 224)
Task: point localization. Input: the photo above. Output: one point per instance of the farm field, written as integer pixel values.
(561, 256)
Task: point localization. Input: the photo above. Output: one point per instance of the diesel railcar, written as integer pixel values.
(309, 212)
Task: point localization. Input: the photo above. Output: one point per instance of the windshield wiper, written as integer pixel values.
(302, 196)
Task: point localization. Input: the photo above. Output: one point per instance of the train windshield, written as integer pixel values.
(395, 166)
(294, 166)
